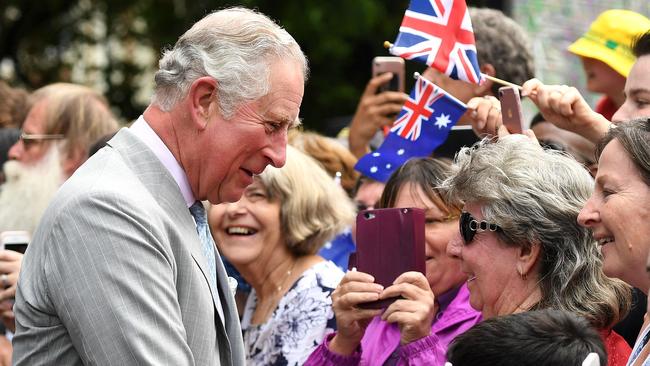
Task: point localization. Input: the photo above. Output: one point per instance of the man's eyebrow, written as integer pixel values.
(295, 123)
(638, 91)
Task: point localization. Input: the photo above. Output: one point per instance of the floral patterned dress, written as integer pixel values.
(298, 325)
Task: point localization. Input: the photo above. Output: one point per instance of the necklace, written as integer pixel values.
(286, 276)
(263, 309)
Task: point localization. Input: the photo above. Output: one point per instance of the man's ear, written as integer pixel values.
(202, 97)
(528, 257)
(485, 88)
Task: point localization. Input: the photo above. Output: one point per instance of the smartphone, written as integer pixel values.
(511, 114)
(395, 65)
(390, 241)
(14, 240)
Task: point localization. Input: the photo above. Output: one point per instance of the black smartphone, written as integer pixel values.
(14, 240)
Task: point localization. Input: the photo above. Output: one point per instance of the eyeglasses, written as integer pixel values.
(470, 226)
(33, 139)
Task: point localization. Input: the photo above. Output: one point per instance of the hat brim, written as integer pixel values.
(586, 48)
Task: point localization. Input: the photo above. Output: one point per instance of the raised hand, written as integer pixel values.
(565, 107)
(415, 313)
(351, 321)
(373, 112)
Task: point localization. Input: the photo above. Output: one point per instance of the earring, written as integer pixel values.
(522, 274)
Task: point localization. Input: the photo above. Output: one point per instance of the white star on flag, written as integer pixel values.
(442, 121)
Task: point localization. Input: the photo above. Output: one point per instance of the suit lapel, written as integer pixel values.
(156, 178)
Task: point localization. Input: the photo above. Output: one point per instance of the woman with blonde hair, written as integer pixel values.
(271, 236)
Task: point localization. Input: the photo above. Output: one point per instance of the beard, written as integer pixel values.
(28, 190)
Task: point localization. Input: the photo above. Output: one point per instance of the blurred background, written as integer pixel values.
(114, 45)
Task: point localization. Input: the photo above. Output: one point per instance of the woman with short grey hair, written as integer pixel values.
(519, 239)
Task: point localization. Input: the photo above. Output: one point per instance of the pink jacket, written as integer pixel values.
(382, 339)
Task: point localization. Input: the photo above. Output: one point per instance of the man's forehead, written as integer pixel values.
(35, 120)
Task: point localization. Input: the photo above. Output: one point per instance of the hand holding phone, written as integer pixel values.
(511, 114)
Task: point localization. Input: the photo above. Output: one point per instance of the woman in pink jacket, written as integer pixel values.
(417, 329)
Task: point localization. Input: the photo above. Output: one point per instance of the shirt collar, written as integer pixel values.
(148, 136)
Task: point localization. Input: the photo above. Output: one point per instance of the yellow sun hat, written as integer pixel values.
(610, 37)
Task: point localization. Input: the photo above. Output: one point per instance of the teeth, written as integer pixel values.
(237, 230)
(604, 241)
(471, 279)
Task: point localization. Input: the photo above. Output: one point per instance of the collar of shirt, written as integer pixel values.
(141, 129)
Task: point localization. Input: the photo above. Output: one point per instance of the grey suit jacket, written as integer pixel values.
(115, 274)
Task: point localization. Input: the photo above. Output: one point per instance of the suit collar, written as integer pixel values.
(142, 130)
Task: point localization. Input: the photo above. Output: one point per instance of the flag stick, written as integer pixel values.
(387, 45)
(501, 81)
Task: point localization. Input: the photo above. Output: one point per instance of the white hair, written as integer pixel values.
(29, 189)
(236, 46)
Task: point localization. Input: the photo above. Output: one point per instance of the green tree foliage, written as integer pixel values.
(114, 45)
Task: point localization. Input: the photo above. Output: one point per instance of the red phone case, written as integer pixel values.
(390, 241)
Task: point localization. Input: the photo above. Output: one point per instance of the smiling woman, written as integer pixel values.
(520, 242)
(617, 212)
(271, 236)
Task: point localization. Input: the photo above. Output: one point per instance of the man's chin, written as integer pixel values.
(228, 196)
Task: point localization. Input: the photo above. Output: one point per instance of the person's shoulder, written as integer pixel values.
(325, 274)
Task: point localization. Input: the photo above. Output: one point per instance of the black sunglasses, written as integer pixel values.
(469, 227)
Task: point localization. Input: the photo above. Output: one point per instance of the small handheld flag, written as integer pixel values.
(439, 33)
(422, 125)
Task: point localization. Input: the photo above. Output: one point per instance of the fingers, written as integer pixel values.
(413, 277)
(486, 115)
(355, 288)
(558, 99)
(531, 135)
(392, 313)
(10, 255)
(8, 293)
(376, 82)
(530, 87)
(410, 285)
(357, 276)
(394, 97)
(570, 96)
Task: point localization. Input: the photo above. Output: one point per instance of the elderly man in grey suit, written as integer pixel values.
(121, 270)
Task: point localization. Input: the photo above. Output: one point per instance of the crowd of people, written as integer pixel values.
(211, 231)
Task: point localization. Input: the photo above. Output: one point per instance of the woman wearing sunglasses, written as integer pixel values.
(415, 330)
(520, 243)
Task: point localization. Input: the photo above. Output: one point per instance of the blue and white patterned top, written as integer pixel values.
(299, 323)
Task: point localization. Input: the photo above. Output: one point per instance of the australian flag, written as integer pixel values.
(422, 125)
(439, 33)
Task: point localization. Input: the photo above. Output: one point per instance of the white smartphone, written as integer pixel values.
(15, 240)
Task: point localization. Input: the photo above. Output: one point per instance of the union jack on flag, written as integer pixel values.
(422, 125)
(439, 33)
(416, 110)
